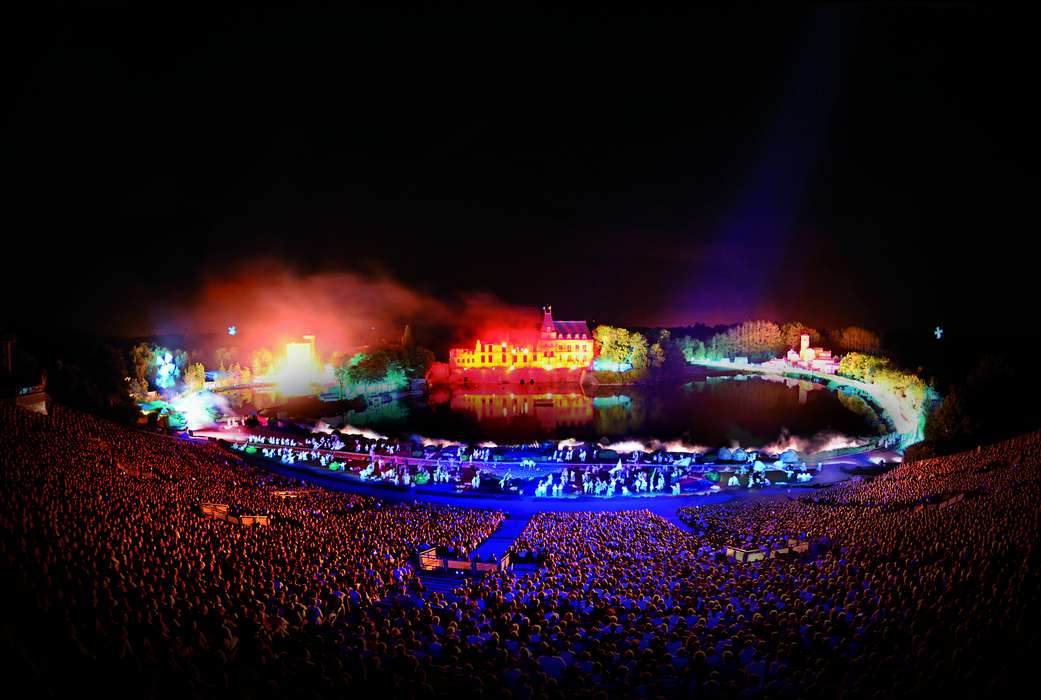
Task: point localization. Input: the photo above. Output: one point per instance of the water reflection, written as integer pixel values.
(253, 400)
(549, 410)
(751, 409)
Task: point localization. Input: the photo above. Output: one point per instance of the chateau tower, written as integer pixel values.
(549, 329)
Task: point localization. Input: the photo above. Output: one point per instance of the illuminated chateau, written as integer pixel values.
(561, 345)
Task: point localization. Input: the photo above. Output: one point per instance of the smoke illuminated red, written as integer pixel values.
(271, 306)
(485, 317)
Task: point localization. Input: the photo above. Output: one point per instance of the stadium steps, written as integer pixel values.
(497, 543)
(673, 517)
(502, 539)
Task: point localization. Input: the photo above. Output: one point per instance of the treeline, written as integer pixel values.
(391, 365)
(912, 390)
(154, 366)
(762, 340)
(621, 349)
(874, 370)
(388, 368)
(83, 372)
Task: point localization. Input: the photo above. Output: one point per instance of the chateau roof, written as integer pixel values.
(574, 328)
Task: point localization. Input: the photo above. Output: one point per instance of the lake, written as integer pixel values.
(751, 410)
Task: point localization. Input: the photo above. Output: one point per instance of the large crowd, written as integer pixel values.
(922, 580)
(132, 587)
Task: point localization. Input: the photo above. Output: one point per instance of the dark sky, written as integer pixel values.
(837, 165)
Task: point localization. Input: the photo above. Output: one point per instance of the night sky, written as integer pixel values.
(836, 165)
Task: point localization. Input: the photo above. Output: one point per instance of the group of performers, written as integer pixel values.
(598, 480)
(634, 474)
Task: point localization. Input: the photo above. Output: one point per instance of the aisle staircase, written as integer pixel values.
(497, 543)
(501, 540)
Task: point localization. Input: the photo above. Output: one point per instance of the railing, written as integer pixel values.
(430, 560)
(221, 511)
(748, 555)
(294, 493)
(215, 510)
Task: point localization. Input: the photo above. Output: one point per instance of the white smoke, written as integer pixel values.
(627, 446)
(680, 446)
(200, 408)
(824, 441)
(435, 442)
(348, 429)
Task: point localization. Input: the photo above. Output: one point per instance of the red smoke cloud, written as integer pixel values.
(485, 317)
(270, 306)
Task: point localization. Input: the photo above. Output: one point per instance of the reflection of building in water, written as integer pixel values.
(549, 409)
(816, 359)
(561, 344)
(805, 386)
(754, 392)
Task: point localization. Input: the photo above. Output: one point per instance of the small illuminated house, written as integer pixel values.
(815, 359)
(561, 345)
(301, 370)
(300, 357)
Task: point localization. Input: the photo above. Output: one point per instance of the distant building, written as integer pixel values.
(815, 359)
(560, 345)
(301, 357)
